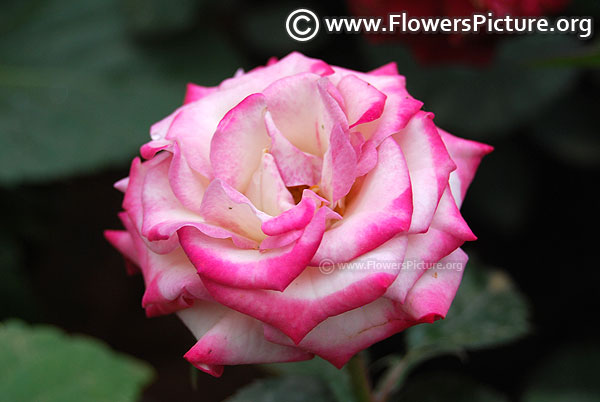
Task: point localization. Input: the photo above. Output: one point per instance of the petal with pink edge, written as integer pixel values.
(187, 184)
(122, 241)
(377, 209)
(434, 291)
(172, 282)
(400, 106)
(339, 166)
(163, 214)
(195, 92)
(448, 232)
(304, 111)
(429, 167)
(223, 262)
(238, 143)
(226, 337)
(363, 102)
(225, 207)
(318, 293)
(467, 155)
(259, 78)
(339, 338)
(133, 205)
(297, 168)
(386, 69)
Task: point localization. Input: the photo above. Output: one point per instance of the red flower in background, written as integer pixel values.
(434, 48)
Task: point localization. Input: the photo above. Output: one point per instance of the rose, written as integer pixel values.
(297, 209)
(433, 48)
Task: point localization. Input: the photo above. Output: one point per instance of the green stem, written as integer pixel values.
(390, 381)
(361, 385)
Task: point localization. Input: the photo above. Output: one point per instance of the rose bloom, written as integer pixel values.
(468, 48)
(298, 209)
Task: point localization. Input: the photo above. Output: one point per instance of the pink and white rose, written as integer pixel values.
(298, 209)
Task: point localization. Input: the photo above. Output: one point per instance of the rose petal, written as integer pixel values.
(467, 155)
(295, 218)
(195, 92)
(318, 293)
(163, 214)
(187, 184)
(448, 232)
(386, 69)
(376, 210)
(133, 205)
(297, 168)
(226, 337)
(223, 206)
(304, 111)
(339, 338)
(429, 167)
(400, 106)
(237, 145)
(172, 282)
(122, 241)
(267, 190)
(220, 261)
(261, 77)
(434, 291)
(363, 102)
(339, 166)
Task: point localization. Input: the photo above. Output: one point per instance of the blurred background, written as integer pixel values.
(81, 81)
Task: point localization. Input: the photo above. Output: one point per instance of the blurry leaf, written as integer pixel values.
(42, 364)
(486, 103)
(288, 389)
(569, 375)
(147, 17)
(447, 387)
(77, 93)
(487, 311)
(338, 381)
(569, 130)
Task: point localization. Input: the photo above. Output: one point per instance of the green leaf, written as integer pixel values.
(447, 387)
(486, 103)
(42, 364)
(77, 92)
(487, 311)
(288, 389)
(338, 381)
(569, 375)
(155, 17)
